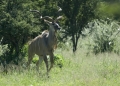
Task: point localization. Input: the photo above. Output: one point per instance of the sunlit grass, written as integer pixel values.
(79, 69)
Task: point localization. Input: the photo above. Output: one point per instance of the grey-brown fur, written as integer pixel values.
(46, 32)
(44, 45)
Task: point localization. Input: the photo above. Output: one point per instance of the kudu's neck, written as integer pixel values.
(51, 37)
(52, 32)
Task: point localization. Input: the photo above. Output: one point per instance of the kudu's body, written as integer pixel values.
(44, 44)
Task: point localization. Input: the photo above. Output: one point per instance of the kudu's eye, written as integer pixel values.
(53, 24)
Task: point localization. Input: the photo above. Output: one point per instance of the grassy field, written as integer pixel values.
(79, 70)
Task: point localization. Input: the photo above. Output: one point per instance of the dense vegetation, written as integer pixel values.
(90, 29)
(18, 25)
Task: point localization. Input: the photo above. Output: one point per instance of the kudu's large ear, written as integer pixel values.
(58, 18)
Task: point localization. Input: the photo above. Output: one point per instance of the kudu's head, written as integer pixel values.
(52, 23)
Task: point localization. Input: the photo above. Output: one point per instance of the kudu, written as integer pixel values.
(45, 43)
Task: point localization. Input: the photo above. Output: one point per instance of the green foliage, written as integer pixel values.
(103, 35)
(58, 59)
(109, 10)
(3, 49)
(16, 25)
(3, 52)
(35, 59)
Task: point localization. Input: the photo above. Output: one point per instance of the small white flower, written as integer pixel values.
(119, 29)
(110, 43)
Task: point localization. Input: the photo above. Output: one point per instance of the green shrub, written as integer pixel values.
(103, 34)
(35, 59)
(58, 59)
(3, 50)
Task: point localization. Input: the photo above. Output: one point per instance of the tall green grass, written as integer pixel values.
(79, 69)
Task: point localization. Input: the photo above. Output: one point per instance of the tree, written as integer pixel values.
(77, 14)
(16, 26)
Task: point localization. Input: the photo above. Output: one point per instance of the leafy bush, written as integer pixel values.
(103, 34)
(35, 59)
(3, 50)
(58, 59)
(3, 55)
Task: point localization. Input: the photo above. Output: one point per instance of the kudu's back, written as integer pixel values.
(38, 45)
(42, 45)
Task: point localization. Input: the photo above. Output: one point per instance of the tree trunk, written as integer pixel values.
(75, 38)
(17, 50)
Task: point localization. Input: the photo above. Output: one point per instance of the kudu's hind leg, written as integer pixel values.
(30, 57)
(38, 63)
